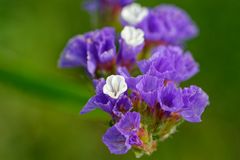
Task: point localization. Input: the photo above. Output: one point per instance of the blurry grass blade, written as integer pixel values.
(45, 87)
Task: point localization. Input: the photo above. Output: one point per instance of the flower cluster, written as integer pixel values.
(137, 75)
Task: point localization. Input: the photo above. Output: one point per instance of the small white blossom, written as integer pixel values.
(132, 36)
(134, 13)
(115, 86)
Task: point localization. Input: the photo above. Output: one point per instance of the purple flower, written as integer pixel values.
(120, 138)
(116, 142)
(195, 101)
(148, 87)
(170, 63)
(110, 97)
(122, 106)
(168, 23)
(75, 53)
(100, 100)
(93, 50)
(131, 44)
(170, 98)
(129, 124)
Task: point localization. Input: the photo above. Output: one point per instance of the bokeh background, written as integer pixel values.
(40, 104)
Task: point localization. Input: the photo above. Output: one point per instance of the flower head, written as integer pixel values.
(195, 101)
(91, 51)
(120, 138)
(170, 63)
(170, 98)
(116, 142)
(148, 87)
(100, 100)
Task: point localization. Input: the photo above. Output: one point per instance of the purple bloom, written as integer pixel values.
(148, 88)
(116, 142)
(168, 23)
(92, 51)
(129, 124)
(100, 100)
(195, 101)
(170, 63)
(75, 53)
(120, 138)
(170, 98)
(122, 106)
(116, 106)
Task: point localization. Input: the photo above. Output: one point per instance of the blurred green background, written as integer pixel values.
(40, 104)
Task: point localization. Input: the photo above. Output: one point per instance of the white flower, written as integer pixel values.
(132, 36)
(115, 86)
(134, 13)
